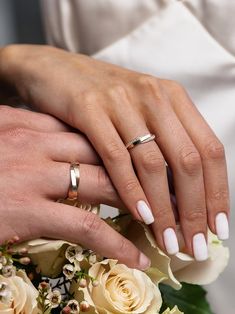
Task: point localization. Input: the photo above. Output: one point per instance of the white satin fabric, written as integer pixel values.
(191, 41)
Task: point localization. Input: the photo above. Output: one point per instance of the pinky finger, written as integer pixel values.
(79, 226)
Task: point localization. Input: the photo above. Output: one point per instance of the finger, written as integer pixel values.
(17, 117)
(184, 161)
(117, 161)
(213, 161)
(69, 147)
(85, 228)
(151, 169)
(95, 186)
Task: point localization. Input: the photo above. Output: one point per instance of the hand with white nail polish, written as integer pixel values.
(113, 106)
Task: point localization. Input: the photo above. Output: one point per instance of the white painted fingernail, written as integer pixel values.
(145, 212)
(200, 248)
(222, 228)
(171, 241)
(144, 262)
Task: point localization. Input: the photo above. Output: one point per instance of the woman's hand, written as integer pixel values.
(36, 151)
(112, 106)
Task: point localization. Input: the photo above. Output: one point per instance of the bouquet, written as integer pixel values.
(54, 276)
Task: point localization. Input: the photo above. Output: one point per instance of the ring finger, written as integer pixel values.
(151, 170)
(95, 186)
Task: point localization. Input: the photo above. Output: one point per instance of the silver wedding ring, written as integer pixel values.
(140, 140)
(75, 179)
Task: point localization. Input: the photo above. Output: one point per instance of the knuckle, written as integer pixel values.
(91, 224)
(175, 87)
(118, 91)
(148, 81)
(115, 153)
(162, 214)
(131, 186)
(89, 98)
(151, 85)
(19, 135)
(214, 150)
(190, 161)
(103, 181)
(124, 245)
(152, 162)
(195, 216)
(219, 195)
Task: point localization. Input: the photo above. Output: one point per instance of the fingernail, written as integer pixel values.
(222, 228)
(171, 241)
(144, 262)
(145, 212)
(200, 247)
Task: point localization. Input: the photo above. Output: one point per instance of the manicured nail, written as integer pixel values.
(200, 248)
(222, 228)
(145, 212)
(144, 262)
(171, 241)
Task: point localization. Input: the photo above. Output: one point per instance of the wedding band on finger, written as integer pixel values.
(140, 140)
(75, 179)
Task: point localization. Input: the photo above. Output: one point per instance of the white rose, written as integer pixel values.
(121, 290)
(17, 295)
(181, 267)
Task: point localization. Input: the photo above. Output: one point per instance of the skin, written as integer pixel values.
(37, 150)
(111, 106)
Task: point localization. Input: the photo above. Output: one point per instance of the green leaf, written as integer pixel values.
(190, 299)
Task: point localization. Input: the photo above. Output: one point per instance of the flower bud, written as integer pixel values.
(15, 239)
(23, 251)
(24, 260)
(66, 310)
(44, 285)
(82, 283)
(95, 283)
(84, 306)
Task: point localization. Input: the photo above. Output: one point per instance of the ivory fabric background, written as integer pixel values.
(192, 42)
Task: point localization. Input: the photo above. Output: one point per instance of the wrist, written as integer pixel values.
(8, 62)
(16, 69)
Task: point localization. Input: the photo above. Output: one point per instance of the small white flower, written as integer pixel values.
(8, 271)
(92, 259)
(82, 283)
(84, 306)
(54, 298)
(69, 271)
(74, 253)
(3, 262)
(77, 265)
(5, 293)
(74, 306)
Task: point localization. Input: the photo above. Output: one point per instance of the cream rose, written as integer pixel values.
(48, 255)
(17, 295)
(181, 267)
(121, 290)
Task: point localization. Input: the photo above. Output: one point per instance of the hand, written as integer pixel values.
(112, 106)
(36, 151)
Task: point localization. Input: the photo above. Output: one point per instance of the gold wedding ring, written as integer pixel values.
(75, 179)
(140, 140)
